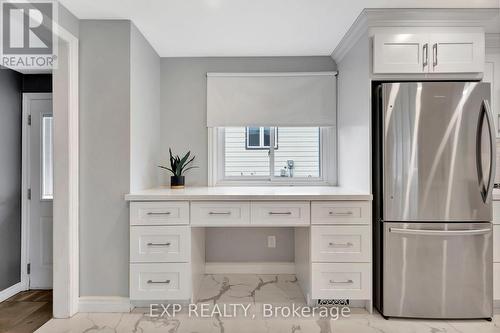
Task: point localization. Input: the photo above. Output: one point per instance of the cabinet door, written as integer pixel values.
(456, 52)
(400, 53)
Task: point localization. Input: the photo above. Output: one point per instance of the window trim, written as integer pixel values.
(328, 164)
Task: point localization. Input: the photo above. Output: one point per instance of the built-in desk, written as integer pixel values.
(332, 237)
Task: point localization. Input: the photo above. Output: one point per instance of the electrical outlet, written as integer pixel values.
(271, 241)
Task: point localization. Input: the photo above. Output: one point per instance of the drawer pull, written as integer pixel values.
(342, 282)
(159, 213)
(349, 213)
(219, 213)
(280, 213)
(348, 244)
(158, 282)
(159, 244)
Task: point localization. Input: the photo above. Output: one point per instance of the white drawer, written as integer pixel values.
(341, 281)
(160, 243)
(496, 281)
(496, 243)
(340, 212)
(220, 213)
(496, 212)
(160, 282)
(341, 243)
(286, 213)
(159, 212)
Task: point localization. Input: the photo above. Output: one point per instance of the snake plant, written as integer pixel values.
(178, 166)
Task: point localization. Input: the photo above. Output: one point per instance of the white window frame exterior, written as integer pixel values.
(216, 167)
(261, 145)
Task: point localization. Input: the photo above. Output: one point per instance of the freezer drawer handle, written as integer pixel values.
(158, 282)
(159, 213)
(440, 232)
(343, 282)
(159, 244)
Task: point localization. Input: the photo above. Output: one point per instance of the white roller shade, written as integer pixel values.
(271, 99)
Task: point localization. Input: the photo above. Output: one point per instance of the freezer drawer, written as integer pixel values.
(438, 270)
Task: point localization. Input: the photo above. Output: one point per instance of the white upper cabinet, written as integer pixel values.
(457, 52)
(400, 53)
(429, 50)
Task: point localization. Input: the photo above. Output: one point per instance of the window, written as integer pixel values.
(260, 137)
(258, 155)
(47, 158)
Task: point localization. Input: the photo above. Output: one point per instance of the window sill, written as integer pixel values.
(273, 183)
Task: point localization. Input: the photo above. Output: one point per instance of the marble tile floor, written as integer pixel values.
(253, 291)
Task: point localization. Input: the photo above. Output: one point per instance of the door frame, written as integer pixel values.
(25, 184)
(65, 110)
(66, 287)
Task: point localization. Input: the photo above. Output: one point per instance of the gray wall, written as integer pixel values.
(249, 245)
(183, 127)
(104, 156)
(10, 177)
(144, 112)
(119, 140)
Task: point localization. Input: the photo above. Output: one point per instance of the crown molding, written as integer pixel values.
(488, 18)
(358, 29)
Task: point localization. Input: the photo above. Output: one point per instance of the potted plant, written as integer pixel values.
(178, 166)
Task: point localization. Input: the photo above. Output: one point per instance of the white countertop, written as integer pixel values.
(249, 193)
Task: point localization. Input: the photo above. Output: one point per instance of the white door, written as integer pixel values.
(457, 52)
(40, 183)
(400, 53)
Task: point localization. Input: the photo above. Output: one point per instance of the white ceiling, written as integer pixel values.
(194, 28)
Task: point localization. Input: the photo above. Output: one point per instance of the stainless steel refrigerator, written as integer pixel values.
(434, 166)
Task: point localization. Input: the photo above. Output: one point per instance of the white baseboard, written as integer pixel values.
(104, 304)
(11, 291)
(249, 268)
(496, 304)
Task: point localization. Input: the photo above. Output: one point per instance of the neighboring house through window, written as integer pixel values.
(258, 155)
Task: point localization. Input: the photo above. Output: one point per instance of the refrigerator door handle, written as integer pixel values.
(491, 127)
(427, 232)
(485, 189)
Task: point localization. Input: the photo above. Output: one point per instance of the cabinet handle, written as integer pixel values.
(434, 55)
(426, 55)
(280, 213)
(159, 213)
(348, 244)
(341, 213)
(343, 282)
(158, 282)
(219, 213)
(159, 244)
